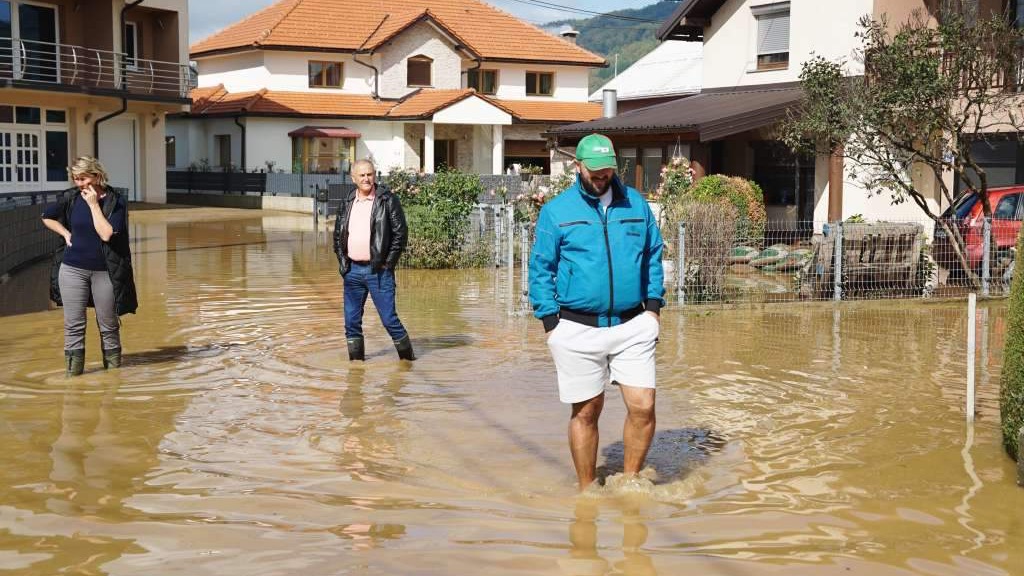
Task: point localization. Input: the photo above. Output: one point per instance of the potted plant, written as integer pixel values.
(528, 171)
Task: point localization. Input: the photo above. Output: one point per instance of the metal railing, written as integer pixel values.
(50, 64)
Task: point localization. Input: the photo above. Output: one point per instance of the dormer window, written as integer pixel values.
(772, 36)
(419, 72)
(325, 74)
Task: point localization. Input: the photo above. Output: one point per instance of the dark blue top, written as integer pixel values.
(86, 250)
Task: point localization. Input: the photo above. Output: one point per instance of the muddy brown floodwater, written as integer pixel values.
(793, 439)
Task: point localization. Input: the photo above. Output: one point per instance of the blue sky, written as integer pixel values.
(208, 16)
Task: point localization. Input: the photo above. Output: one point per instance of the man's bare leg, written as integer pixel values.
(638, 430)
(583, 438)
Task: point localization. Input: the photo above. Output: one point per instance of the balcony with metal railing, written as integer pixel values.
(66, 67)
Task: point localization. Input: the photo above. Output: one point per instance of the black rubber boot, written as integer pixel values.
(74, 362)
(404, 347)
(112, 358)
(356, 349)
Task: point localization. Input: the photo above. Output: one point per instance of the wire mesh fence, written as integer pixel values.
(807, 261)
(711, 261)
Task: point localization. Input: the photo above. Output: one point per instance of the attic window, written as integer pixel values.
(419, 71)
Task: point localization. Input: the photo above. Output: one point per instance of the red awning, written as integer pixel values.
(324, 132)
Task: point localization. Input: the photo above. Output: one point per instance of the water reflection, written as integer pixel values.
(585, 558)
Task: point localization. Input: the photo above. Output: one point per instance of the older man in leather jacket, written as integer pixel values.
(370, 234)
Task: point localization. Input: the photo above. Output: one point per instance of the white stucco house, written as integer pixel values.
(753, 51)
(100, 86)
(308, 85)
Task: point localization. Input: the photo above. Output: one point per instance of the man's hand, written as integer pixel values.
(67, 238)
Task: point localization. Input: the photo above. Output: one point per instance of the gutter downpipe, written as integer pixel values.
(96, 126)
(355, 58)
(242, 126)
(124, 99)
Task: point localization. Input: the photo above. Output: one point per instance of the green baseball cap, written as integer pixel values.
(596, 152)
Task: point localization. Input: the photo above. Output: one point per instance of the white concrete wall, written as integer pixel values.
(420, 40)
(572, 83)
(730, 50)
(242, 72)
(288, 204)
(472, 110)
(268, 140)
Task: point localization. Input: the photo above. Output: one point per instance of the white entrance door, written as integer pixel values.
(119, 153)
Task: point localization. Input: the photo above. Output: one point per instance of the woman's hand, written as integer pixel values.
(67, 238)
(91, 196)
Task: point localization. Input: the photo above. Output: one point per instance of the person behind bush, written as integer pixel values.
(596, 282)
(96, 266)
(370, 234)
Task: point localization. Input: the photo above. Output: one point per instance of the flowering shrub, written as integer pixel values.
(437, 210)
(528, 204)
(672, 195)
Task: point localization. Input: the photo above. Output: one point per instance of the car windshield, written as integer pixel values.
(962, 207)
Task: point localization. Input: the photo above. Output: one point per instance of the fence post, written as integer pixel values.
(510, 226)
(986, 256)
(972, 304)
(524, 257)
(497, 236)
(837, 275)
(681, 265)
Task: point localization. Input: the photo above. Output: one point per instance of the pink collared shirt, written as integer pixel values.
(359, 228)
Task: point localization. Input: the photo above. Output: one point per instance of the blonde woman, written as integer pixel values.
(96, 268)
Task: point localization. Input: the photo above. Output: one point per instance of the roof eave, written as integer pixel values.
(689, 20)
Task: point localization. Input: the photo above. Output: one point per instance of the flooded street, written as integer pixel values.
(238, 439)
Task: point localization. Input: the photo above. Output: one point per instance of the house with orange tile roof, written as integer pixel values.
(310, 85)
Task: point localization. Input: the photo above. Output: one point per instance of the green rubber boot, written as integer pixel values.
(74, 362)
(112, 358)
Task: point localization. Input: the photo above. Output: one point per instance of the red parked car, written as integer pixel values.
(966, 214)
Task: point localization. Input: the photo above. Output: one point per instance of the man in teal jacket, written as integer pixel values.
(597, 284)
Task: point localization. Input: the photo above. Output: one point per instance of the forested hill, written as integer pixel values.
(630, 39)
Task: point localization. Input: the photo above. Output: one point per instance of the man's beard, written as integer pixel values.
(591, 189)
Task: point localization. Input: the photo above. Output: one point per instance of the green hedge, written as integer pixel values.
(1011, 394)
(438, 214)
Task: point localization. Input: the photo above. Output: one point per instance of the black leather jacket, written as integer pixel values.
(388, 231)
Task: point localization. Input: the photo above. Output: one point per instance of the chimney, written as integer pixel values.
(611, 103)
(569, 33)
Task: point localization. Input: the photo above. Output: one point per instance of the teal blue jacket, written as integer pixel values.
(593, 261)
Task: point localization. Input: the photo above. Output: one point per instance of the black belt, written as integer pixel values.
(593, 320)
(360, 262)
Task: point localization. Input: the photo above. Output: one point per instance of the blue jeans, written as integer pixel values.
(361, 281)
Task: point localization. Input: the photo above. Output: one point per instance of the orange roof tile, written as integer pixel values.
(542, 111)
(270, 102)
(420, 104)
(426, 102)
(347, 25)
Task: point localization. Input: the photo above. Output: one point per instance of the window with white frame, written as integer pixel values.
(33, 147)
(772, 35)
(131, 45)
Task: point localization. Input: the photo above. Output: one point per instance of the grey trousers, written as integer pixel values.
(75, 287)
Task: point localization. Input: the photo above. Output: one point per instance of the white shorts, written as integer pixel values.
(588, 358)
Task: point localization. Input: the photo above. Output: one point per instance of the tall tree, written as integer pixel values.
(931, 88)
